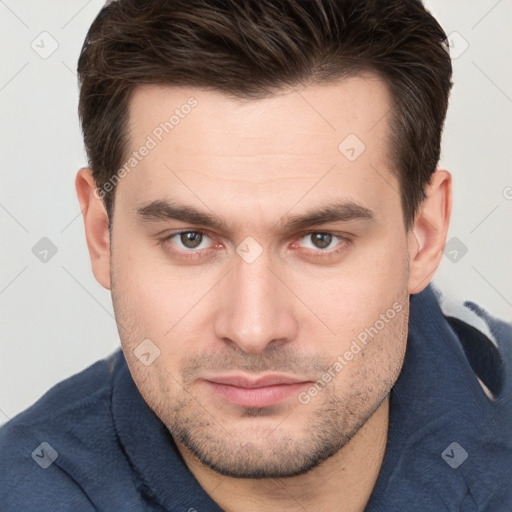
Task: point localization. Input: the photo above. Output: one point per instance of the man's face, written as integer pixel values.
(249, 313)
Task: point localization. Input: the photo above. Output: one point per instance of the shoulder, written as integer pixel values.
(60, 425)
(487, 344)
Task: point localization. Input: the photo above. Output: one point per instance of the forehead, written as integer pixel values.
(353, 105)
(330, 137)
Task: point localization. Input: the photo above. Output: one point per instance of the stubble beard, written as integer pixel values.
(260, 447)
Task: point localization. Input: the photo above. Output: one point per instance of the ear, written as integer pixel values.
(427, 236)
(96, 226)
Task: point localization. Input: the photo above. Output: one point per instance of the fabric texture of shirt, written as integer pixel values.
(92, 443)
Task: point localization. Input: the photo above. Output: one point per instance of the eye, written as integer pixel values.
(188, 240)
(197, 244)
(322, 240)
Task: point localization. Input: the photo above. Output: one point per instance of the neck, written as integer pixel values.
(343, 482)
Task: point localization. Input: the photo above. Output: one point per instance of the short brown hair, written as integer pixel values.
(249, 49)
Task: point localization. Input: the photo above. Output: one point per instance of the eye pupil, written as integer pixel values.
(191, 239)
(321, 240)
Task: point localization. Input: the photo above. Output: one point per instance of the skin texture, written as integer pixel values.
(292, 310)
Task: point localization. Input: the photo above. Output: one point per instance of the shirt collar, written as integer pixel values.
(438, 414)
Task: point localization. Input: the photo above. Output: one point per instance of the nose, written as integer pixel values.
(256, 309)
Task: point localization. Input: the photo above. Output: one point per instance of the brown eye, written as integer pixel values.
(191, 239)
(321, 240)
(192, 244)
(323, 244)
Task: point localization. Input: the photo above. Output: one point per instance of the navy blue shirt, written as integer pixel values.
(92, 443)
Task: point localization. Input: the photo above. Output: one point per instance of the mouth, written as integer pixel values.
(263, 391)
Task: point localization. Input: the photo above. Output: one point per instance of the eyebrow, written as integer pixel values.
(342, 211)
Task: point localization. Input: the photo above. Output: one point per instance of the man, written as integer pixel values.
(263, 201)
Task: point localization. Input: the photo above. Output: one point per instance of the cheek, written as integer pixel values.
(147, 309)
(165, 305)
(373, 354)
(352, 297)
(145, 288)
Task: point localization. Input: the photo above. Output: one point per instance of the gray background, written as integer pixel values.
(56, 319)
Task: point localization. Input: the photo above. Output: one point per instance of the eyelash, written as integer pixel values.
(344, 241)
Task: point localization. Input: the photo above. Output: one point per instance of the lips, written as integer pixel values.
(263, 391)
